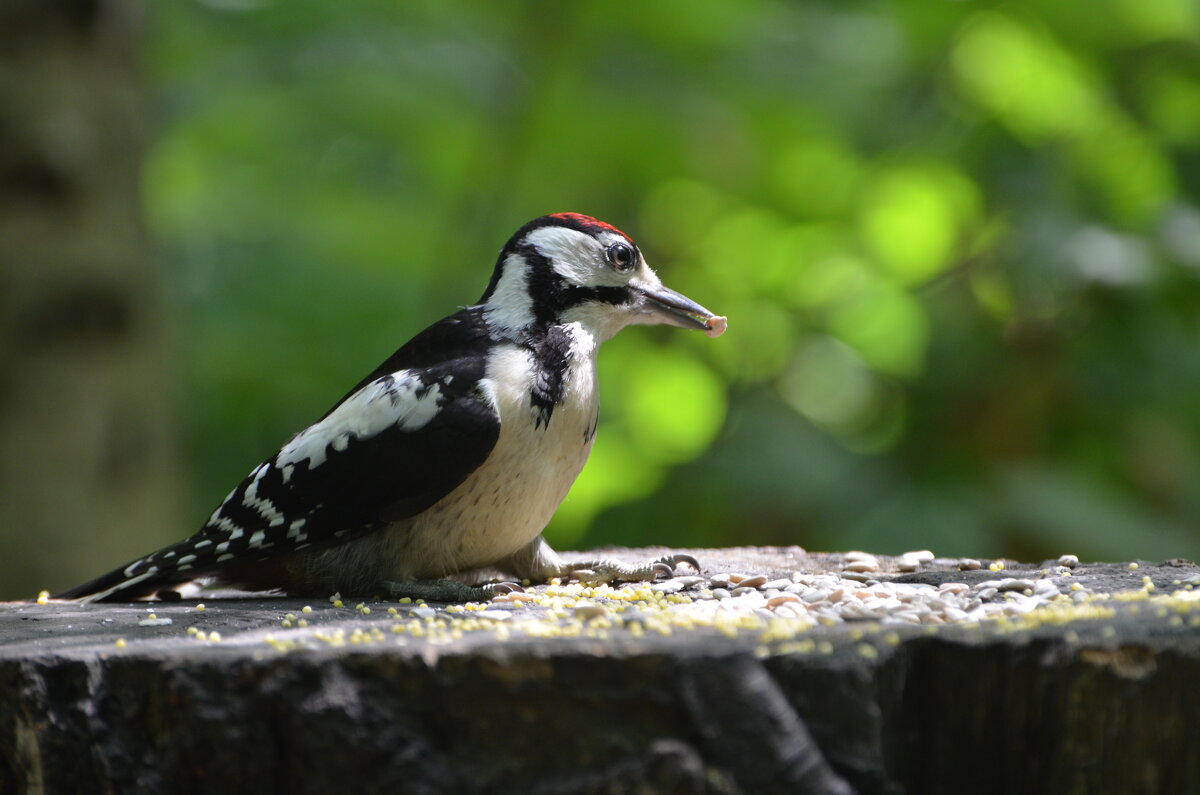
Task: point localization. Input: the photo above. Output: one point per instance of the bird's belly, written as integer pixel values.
(504, 504)
(501, 507)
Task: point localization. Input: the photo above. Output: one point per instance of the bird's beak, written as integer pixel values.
(664, 305)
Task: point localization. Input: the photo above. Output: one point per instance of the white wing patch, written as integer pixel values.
(399, 400)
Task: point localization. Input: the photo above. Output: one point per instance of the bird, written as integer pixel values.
(444, 464)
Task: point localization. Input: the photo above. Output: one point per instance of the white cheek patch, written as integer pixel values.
(578, 257)
(510, 306)
(399, 400)
(569, 251)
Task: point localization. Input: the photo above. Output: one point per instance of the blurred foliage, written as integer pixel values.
(958, 243)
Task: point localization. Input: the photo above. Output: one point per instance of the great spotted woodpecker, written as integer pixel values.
(451, 457)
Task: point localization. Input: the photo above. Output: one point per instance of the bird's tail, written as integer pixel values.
(126, 584)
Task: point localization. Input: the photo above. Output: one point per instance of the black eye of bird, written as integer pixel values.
(621, 256)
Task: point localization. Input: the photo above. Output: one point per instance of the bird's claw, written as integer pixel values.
(659, 567)
(671, 561)
(501, 588)
(600, 572)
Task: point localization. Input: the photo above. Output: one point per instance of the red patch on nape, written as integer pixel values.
(589, 222)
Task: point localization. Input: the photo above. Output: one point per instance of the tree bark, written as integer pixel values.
(89, 473)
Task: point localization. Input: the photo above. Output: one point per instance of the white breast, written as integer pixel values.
(506, 503)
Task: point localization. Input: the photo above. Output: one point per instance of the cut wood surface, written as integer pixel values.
(774, 670)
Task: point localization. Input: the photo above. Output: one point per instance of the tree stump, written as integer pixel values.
(1046, 679)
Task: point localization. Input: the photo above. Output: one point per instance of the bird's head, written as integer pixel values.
(566, 268)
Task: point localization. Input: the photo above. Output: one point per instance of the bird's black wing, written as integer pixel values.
(403, 438)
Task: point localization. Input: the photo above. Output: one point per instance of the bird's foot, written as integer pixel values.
(603, 572)
(446, 590)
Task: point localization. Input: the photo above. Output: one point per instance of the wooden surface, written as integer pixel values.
(611, 691)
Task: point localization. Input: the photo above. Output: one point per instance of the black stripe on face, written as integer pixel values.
(552, 295)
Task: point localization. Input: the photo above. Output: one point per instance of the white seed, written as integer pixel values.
(969, 564)
(920, 555)
(1070, 561)
(862, 565)
(954, 615)
(1045, 588)
(154, 621)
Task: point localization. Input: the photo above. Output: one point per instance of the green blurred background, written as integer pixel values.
(958, 244)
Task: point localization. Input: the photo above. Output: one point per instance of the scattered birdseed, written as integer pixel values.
(1133, 567)
(589, 610)
(43, 597)
(769, 613)
(154, 621)
(969, 564)
(1070, 561)
(119, 643)
(200, 608)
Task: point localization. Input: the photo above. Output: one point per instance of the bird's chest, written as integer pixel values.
(548, 410)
